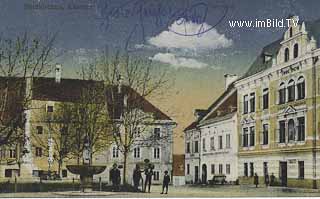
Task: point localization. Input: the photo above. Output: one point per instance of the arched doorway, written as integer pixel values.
(204, 174)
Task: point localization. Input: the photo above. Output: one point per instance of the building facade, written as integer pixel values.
(278, 110)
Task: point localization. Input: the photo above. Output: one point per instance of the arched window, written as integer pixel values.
(286, 55)
(301, 87)
(290, 32)
(295, 51)
(291, 91)
(291, 130)
(282, 93)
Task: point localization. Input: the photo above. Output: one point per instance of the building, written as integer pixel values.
(278, 101)
(219, 138)
(46, 94)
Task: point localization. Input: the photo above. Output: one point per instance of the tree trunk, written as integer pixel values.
(59, 167)
(125, 155)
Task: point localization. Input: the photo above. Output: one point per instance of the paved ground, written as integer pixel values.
(188, 191)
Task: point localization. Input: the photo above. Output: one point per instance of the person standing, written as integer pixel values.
(266, 180)
(148, 172)
(166, 181)
(272, 179)
(115, 177)
(136, 177)
(256, 180)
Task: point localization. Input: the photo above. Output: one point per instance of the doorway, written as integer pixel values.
(283, 173)
(204, 174)
(196, 174)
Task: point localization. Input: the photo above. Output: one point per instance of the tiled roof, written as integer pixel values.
(193, 125)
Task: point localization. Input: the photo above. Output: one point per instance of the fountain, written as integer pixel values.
(86, 171)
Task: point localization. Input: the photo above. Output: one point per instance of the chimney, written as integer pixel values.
(229, 78)
(58, 73)
(198, 113)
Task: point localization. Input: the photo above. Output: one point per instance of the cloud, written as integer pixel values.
(177, 62)
(210, 40)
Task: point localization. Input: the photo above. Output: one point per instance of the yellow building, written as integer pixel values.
(278, 110)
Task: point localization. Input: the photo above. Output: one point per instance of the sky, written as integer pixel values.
(190, 38)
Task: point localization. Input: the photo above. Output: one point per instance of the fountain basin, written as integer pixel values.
(86, 173)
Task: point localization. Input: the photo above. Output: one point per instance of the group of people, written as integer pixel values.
(269, 181)
(137, 178)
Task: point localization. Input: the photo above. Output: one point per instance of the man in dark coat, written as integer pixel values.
(256, 180)
(266, 180)
(272, 179)
(148, 172)
(136, 177)
(166, 181)
(115, 177)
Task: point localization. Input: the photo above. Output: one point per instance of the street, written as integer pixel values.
(186, 191)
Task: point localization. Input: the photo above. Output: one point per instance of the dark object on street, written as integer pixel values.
(266, 180)
(136, 177)
(218, 179)
(166, 181)
(115, 177)
(148, 172)
(272, 179)
(256, 180)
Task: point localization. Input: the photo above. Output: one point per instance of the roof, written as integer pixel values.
(193, 125)
(70, 90)
(178, 165)
(258, 65)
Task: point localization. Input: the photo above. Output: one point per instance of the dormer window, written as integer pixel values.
(286, 55)
(295, 51)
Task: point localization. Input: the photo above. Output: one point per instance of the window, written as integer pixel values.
(188, 169)
(49, 109)
(291, 130)
(265, 134)
(156, 153)
(282, 94)
(265, 98)
(156, 175)
(220, 142)
(286, 55)
(2, 153)
(291, 91)
(227, 168)
(251, 169)
(39, 129)
(204, 144)
(295, 51)
(38, 151)
(245, 169)
(188, 147)
(228, 141)
(301, 169)
(220, 168)
(282, 132)
(252, 137)
(115, 152)
(245, 137)
(290, 32)
(245, 104)
(301, 88)
(301, 129)
(196, 146)
(136, 152)
(12, 153)
(212, 148)
(137, 132)
(252, 102)
(64, 173)
(156, 133)
(213, 169)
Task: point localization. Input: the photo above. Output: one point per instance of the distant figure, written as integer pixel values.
(148, 172)
(272, 179)
(256, 180)
(266, 180)
(115, 177)
(166, 180)
(136, 177)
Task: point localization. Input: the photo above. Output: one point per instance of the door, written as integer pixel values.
(283, 174)
(196, 174)
(204, 174)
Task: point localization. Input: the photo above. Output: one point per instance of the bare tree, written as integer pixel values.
(21, 58)
(130, 81)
